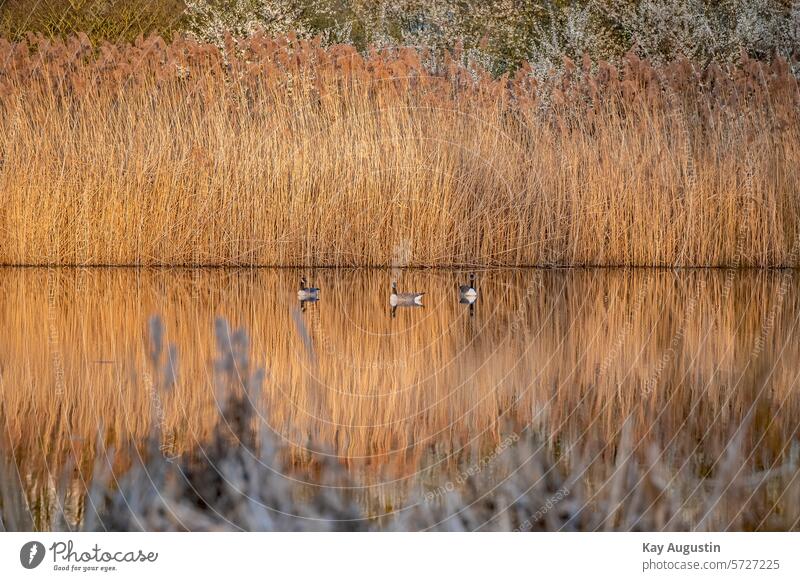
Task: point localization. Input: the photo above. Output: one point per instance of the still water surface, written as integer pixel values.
(404, 401)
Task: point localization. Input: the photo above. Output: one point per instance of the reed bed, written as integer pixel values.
(284, 152)
(562, 359)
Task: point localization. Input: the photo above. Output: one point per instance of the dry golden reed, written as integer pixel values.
(283, 152)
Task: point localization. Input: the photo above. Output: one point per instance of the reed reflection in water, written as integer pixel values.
(683, 358)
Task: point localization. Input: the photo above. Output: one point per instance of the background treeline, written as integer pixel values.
(500, 34)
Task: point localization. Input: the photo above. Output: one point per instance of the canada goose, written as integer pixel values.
(468, 294)
(404, 299)
(307, 294)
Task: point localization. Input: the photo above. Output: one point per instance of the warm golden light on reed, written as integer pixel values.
(288, 153)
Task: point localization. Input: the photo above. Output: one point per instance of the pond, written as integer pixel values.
(413, 403)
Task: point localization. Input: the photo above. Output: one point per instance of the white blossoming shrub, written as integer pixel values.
(704, 31)
(571, 32)
(211, 20)
(500, 34)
